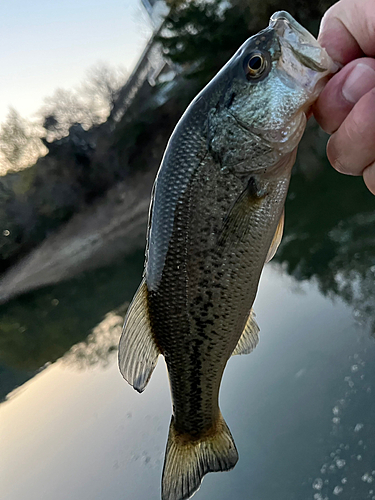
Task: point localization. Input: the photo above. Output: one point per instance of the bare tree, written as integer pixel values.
(102, 87)
(89, 104)
(20, 144)
(62, 110)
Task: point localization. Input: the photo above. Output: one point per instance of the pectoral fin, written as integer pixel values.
(138, 352)
(249, 338)
(237, 224)
(276, 239)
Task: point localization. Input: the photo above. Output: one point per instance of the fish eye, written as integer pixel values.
(255, 65)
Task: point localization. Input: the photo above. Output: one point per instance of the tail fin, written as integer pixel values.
(186, 461)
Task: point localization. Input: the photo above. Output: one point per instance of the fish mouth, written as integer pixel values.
(300, 41)
(302, 56)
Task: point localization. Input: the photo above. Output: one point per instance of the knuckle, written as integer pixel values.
(337, 157)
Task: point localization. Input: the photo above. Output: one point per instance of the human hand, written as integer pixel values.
(346, 106)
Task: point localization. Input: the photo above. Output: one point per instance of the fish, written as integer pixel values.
(216, 217)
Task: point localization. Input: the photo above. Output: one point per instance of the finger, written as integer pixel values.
(352, 148)
(347, 30)
(343, 91)
(369, 177)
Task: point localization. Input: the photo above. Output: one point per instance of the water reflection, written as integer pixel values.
(305, 428)
(350, 466)
(101, 344)
(329, 234)
(300, 408)
(40, 327)
(328, 238)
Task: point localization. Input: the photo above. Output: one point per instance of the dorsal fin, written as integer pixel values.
(276, 239)
(138, 352)
(249, 338)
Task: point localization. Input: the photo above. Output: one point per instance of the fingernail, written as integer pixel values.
(360, 81)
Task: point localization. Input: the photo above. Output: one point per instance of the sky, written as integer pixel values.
(49, 44)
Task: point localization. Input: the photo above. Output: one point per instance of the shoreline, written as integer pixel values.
(94, 237)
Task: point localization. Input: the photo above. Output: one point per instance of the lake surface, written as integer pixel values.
(301, 407)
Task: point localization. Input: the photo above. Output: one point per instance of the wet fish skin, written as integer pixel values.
(218, 201)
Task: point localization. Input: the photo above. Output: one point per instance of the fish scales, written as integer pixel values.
(216, 217)
(212, 288)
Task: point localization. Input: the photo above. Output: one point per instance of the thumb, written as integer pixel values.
(347, 30)
(343, 91)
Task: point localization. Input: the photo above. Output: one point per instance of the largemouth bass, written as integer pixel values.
(216, 217)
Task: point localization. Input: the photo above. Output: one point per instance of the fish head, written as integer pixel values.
(272, 80)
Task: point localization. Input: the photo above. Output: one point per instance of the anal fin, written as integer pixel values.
(138, 352)
(249, 338)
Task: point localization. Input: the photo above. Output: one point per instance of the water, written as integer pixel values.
(301, 407)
